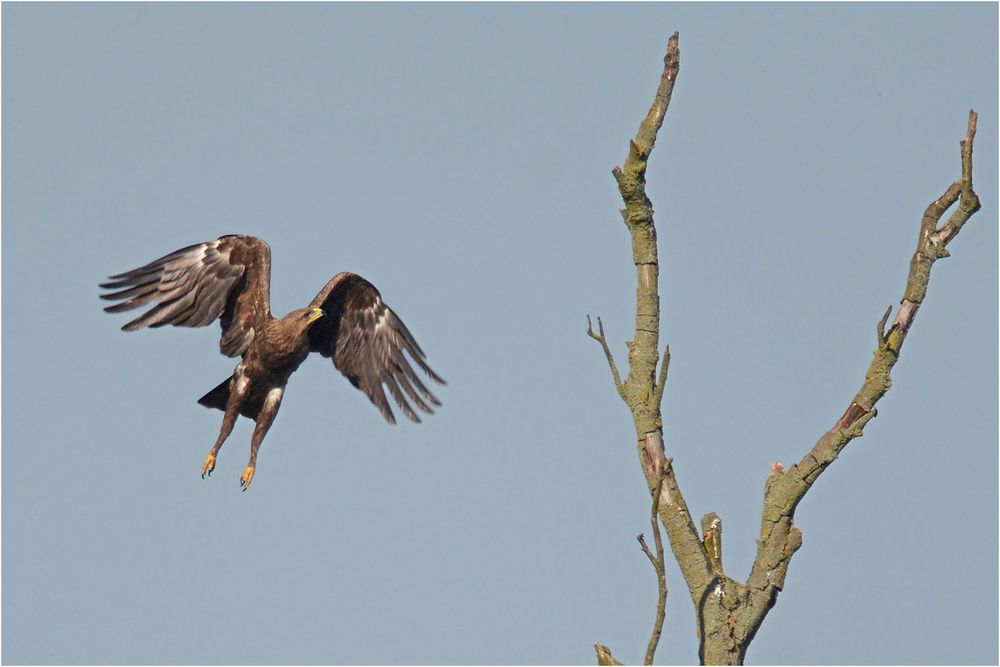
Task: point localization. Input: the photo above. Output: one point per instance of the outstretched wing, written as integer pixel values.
(366, 340)
(228, 278)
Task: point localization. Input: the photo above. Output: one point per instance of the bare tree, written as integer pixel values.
(729, 612)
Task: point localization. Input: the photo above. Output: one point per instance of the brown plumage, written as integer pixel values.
(229, 279)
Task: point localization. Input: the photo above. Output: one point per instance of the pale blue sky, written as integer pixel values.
(459, 156)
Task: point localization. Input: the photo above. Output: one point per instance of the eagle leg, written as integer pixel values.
(264, 420)
(238, 389)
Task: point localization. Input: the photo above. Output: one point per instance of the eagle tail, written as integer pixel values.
(218, 397)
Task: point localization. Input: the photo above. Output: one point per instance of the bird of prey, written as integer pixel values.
(229, 279)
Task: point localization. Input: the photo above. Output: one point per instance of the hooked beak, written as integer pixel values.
(316, 314)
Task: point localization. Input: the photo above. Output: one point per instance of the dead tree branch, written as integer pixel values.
(779, 538)
(729, 613)
(642, 391)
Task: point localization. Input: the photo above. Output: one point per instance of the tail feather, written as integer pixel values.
(218, 397)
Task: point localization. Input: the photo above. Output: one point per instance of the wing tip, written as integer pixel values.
(118, 307)
(432, 375)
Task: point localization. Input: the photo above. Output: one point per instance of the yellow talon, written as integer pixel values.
(208, 467)
(246, 478)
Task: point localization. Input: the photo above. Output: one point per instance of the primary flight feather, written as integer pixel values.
(229, 279)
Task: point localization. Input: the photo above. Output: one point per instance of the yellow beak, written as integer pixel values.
(316, 314)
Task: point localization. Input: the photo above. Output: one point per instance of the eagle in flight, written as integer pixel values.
(229, 279)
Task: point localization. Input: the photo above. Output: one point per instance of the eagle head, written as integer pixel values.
(302, 319)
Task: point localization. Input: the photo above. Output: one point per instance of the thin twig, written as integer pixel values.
(658, 566)
(880, 327)
(645, 548)
(661, 382)
(602, 339)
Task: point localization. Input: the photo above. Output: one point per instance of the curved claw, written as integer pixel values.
(247, 477)
(209, 466)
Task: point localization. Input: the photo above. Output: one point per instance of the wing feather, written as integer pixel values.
(404, 383)
(413, 378)
(227, 279)
(371, 346)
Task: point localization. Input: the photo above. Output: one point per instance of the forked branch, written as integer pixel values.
(729, 613)
(779, 538)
